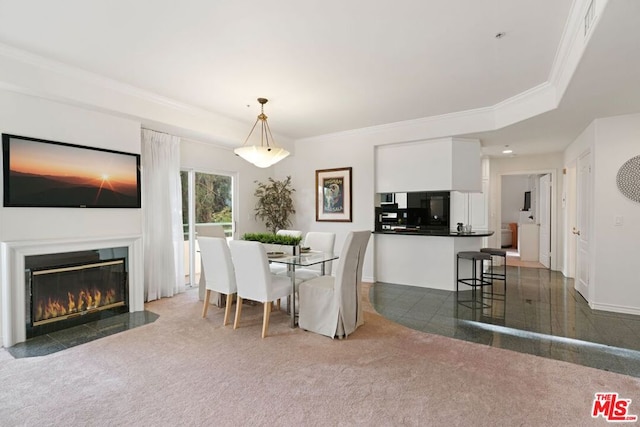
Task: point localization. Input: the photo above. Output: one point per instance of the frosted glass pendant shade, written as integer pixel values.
(261, 156)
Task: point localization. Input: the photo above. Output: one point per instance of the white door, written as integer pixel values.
(544, 216)
(582, 227)
(569, 203)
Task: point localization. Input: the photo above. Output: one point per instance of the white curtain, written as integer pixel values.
(162, 221)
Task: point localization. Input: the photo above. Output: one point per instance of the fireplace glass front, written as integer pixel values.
(61, 295)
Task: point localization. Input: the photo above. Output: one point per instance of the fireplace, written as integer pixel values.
(79, 291)
(21, 258)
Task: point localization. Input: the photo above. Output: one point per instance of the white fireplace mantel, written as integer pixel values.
(12, 278)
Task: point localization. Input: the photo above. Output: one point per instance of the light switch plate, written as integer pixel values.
(618, 220)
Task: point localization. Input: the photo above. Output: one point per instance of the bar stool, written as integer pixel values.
(501, 253)
(477, 258)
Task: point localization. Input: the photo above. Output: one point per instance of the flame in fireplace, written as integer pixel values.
(85, 300)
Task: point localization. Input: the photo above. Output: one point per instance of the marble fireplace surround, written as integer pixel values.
(12, 279)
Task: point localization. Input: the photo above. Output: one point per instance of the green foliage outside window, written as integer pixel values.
(213, 198)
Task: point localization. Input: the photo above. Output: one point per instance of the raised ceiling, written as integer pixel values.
(326, 67)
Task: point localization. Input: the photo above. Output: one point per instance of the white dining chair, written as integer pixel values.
(292, 233)
(220, 273)
(331, 305)
(207, 230)
(254, 280)
(364, 242)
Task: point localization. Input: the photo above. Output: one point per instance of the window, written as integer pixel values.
(206, 199)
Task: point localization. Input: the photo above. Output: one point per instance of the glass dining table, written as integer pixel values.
(305, 259)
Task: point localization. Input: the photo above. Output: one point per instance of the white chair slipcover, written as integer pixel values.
(292, 233)
(254, 280)
(331, 305)
(363, 249)
(216, 261)
(207, 230)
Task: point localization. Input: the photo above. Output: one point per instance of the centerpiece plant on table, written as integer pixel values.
(276, 243)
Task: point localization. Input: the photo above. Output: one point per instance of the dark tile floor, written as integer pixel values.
(66, 338)
(540, 314)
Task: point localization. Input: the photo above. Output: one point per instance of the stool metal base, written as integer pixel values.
(500, 253)
(474, 281)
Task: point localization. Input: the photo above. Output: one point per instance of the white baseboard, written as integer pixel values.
(615, 308)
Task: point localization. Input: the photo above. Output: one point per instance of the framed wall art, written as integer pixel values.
(333, 195)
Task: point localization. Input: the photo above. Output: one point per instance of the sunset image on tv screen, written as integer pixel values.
(55, 174)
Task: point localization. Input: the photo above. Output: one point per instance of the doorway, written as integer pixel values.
(524, 208)
(207, 198)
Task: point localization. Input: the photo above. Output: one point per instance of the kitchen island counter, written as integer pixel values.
(426, 260)
(439, 233)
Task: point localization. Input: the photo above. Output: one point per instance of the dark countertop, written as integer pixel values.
(418, 232)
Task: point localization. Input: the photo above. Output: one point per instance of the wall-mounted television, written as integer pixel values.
(41, 173)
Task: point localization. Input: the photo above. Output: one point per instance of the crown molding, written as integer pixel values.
(522, 106)
(440, 126)
(98, 80)
(573, 43)
(31, 74)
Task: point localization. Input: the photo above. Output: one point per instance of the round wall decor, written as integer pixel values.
(628, 179)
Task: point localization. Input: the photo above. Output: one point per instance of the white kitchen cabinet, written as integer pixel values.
(443, 164)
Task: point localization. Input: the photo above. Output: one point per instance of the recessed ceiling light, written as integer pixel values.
(500, 35)
(507, 151)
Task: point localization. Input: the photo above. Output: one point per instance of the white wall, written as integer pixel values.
(513, 188)
(332, 153)
(616, 249)
(34, 117)
(583, 143)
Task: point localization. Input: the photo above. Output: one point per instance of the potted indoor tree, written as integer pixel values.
(274, 206)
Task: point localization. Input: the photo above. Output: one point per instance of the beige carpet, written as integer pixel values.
(185, 371)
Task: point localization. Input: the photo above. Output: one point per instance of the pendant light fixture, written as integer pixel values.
(266, 154)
